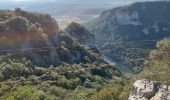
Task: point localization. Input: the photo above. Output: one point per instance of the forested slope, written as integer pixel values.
(40, 62)
(127, 34)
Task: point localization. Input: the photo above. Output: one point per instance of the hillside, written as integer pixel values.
(37, 37)
(127, 34)
(40, 62)
(81, 33)
(151, 84)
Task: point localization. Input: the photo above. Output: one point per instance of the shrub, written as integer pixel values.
(18, 24)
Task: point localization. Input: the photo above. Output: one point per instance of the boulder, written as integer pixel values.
(149, 90)
(161, 95)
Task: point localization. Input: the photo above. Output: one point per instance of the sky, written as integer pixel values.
(64, 2)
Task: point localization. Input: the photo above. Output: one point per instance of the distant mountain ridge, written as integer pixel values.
(141, 21)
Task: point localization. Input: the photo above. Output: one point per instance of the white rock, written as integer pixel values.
(143, 7)
(165, 29)
(137, 98)
(168, 88)
(161, 95)
(143, 88)
(156, 27)
(126, 18)
(145, 31)
(149, 90)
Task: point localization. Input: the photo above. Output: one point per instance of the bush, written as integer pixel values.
(158, 67)
(108, 93)
(15, 70)
(18, 24)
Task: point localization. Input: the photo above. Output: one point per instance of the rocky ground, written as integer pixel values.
(149, 90)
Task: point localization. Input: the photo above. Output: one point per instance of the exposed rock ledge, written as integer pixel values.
(149, 90)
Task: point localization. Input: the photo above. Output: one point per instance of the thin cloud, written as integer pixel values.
(26, 1)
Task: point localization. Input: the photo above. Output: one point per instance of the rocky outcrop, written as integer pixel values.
(45, 21)
(138, 20)
(81, 33)
(28, 33)
(149, 90)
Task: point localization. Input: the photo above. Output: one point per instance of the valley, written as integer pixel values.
(127, 34)
(85, 50)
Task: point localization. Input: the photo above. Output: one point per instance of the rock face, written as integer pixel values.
(81, 33)
(149, 90)
(140, 20)
(29, 33)
(122, 31)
